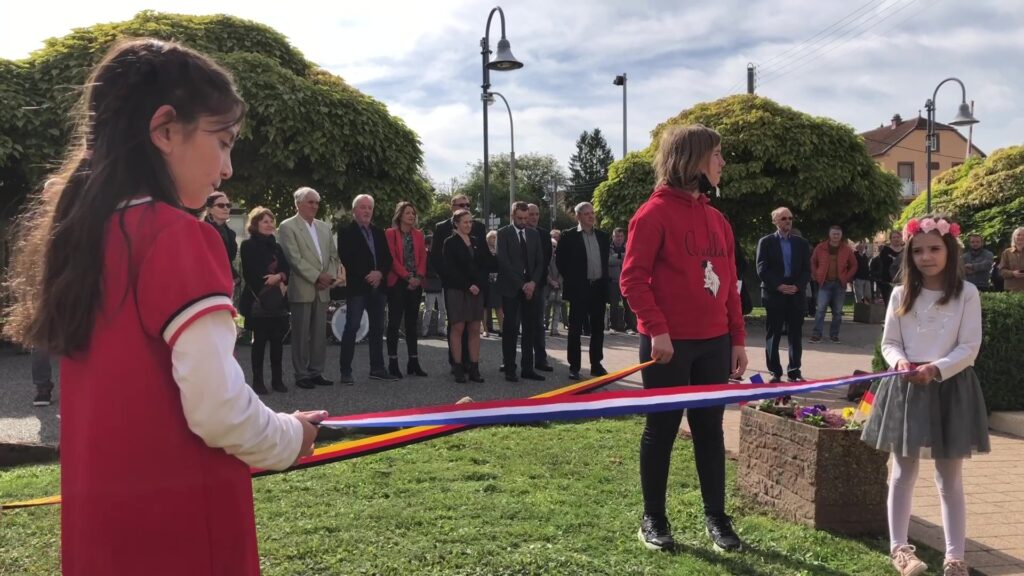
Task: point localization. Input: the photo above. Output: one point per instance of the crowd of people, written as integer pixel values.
(145, 332)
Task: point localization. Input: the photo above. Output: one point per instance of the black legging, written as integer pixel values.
(403, 302)
(693, 362)
(270, 330)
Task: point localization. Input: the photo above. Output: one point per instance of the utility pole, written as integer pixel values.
(750, 78)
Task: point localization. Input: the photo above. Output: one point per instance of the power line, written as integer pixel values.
(808, 62)
(810, 40)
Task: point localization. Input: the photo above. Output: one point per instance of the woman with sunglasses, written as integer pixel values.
(218, 212)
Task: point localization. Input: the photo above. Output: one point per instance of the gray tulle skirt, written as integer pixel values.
(945, 419)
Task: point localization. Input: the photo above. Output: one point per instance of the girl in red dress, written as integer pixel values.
(158, 426)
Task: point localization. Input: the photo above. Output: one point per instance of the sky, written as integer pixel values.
(856, 61)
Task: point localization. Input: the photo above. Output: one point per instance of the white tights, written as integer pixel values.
(949, 481)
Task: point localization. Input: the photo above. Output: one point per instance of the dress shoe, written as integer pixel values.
(544, 367)
(532, 376)
(319, 380)
(775, 379)
(575, 375)
(305, 383)
(382, 374)
(598, 370)
(347, 379)
(797, 377)
(511, 377)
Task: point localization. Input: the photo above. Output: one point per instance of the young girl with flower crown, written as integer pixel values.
(933, 329)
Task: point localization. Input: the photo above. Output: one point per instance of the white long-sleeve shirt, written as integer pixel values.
(948, 335)
(220, 407)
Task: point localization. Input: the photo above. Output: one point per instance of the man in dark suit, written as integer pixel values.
(784, 267)
(540, 352)
(363, 250)
(442, 230)
(582, 259)
(519, 276)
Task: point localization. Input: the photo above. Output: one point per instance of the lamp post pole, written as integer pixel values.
(503, 61)
(512, 132)
(620, 80)
(964, 117)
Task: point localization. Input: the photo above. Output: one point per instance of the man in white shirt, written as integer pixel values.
(313, 257)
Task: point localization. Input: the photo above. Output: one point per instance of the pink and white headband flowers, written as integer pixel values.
(915, 226)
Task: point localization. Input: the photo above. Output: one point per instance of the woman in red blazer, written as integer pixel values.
(405, 285)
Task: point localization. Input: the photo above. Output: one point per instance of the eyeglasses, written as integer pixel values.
(223, 205)
(461, 205)
(785, 217)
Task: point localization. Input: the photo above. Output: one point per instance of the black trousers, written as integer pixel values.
(784, 312)
(693, 362)
(403, 304)
(540, 352)
(272, 331)
(589, 305)
(373, 304)
(519, 312)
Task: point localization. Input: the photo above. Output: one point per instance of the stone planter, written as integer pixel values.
(821, 477)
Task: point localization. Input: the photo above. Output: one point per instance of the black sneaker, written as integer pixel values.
(346, 379)
(724, 538)
(656, 534)
(42, 398)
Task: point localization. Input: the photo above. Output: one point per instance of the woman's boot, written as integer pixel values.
(413, 368)
(460, 373)
(393, 367)
(474, 372)
(276, 379)
(257, 381)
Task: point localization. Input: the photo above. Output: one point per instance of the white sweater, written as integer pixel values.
(948, 335)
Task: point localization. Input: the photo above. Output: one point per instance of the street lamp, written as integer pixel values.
(963, 118)
(489, 99)
(503, 61)
(620, 80)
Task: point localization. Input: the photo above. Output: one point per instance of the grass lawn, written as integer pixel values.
(552, 499)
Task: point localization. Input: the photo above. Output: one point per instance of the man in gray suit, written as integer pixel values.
(313, 257)
(520, 270)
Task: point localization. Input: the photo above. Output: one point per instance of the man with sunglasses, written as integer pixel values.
(442, 230)
(784, 267)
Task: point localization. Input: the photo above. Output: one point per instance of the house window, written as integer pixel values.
(905, 171)
(936, 143)
(935, 166)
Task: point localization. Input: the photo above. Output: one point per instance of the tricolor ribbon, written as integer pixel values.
(349, 449)
(598, 405)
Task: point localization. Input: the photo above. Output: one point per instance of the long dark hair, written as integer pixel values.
(111, 159)
(913, 280)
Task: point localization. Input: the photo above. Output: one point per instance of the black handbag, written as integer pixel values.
(269, 302)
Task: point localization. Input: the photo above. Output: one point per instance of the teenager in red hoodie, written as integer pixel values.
(679, 276)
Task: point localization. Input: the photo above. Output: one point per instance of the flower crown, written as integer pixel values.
(915, 226)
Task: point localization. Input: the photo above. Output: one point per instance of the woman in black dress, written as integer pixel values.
(263, 304)
(466, 266)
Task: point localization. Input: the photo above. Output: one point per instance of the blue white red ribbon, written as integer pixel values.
(597, 405)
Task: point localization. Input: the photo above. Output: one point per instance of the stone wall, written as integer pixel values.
(825, 478)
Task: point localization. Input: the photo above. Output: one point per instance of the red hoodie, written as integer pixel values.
(679, 274)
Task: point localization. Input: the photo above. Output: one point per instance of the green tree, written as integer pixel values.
(535, 176)
(985, 195)
(304, 126)
(775, 156)
(588, 167)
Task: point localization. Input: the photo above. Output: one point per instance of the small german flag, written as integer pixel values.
(864, 408)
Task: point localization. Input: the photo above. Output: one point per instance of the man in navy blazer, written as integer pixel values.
(363, 250)
(784, 267)
(520, 271)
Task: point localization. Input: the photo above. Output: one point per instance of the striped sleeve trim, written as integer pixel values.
(192, 312)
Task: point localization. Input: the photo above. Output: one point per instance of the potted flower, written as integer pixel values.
(807, 464)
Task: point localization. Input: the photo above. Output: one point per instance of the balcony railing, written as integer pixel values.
(911, 189)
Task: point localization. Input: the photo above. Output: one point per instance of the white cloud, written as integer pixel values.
(422, 59)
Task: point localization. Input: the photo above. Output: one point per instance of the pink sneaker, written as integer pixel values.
(954, 568)
(904, 560)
